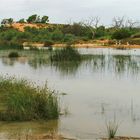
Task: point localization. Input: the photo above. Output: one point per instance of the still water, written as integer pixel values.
(104, 87)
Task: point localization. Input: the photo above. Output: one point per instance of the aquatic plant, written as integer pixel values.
(21, 100)
(65, 54)
(112, 128)
(13, 54)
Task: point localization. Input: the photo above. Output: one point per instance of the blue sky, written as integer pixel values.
(62, 11)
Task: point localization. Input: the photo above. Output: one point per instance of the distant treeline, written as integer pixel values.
(122, 29)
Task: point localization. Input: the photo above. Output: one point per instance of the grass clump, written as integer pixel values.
(23, 101)
(65, 54)
(112, 128)
(13, 55)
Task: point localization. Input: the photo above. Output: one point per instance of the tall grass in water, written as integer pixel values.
(112, 128)
(65, 54)
(13, 55)
(23, 101)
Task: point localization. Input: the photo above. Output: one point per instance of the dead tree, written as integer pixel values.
(118, 22)
(123, 22)
(92, 24)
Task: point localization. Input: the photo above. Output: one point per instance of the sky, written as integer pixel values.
(64, 11)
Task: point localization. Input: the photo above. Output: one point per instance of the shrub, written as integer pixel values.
(66, 54)
(21, 100)
(137, 35)
(57, 35)
(13, 54)
(48, 43)
(121, 34)
(69, 37)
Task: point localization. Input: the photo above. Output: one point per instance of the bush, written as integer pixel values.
(10, 45)
(66, 54)
(13, 54)
(57, 35)
(69, 38)
(121, 34)
(137, 35)
(48, 43)
(21, 100)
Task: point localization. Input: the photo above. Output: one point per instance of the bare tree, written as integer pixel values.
(123, 22)
(118, 22)
(131, 24)
(92, 24)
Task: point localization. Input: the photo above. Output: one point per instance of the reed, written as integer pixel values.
(13, 55)
(21, 100)
(65, 54)
(112, 128)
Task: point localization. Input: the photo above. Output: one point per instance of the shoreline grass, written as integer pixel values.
(21, 100)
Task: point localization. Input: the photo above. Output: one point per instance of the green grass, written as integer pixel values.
(112, 128)
(65, 54)
(21, 100)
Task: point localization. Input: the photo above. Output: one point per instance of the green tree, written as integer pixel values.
(7, 21)
(21, 20)
(32, 19)
(45, 19)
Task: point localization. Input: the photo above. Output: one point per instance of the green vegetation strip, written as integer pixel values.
(21, 100)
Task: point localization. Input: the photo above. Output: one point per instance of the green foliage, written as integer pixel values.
(65, 54)
(137, 35)
(23, 101)
(13, 54)
(61, 33)
(32, 19)
(100, 32)
(10, 45)
(7, 21)
(37, 19)
(69, 37)
(48, 43)
(22, 20)
(112, 128)
(121, 34)
(57, 35)
(45, 19)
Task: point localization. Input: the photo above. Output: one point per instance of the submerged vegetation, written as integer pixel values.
(23, 101)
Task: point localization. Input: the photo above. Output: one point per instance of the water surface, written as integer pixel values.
(103, 87)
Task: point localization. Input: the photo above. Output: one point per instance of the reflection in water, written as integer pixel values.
(119, 64)
(99, 88)
(66, 68)
(12, 61)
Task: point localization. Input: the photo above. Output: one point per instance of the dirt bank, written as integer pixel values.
(91, 45)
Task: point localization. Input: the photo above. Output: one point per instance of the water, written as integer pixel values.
(102, 88)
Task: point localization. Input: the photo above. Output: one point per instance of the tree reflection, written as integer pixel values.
(118, 64)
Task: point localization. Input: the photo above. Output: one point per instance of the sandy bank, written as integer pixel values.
(90, 45)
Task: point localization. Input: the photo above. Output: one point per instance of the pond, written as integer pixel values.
(105, 86)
